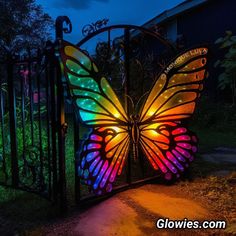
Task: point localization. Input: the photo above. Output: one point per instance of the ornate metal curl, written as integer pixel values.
(61, 21)
(91, 28)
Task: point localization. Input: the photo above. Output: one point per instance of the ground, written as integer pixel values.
(209, 193)
(135, 211)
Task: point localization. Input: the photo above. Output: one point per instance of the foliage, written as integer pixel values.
(214, 124)
(27, 150)
(228, 63)
(218, 116)
(23, 25)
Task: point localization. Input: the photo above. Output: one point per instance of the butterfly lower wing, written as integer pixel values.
(169, 147)
(171, 100)
(103, 157)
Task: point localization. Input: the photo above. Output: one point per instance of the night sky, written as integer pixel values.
(83, 12)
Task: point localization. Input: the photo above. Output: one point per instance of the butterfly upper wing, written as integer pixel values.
(106, 148)
(92, 94)
(167, 143)
(177, 88)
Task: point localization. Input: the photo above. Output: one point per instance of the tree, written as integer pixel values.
(24, 26)
(228, 63)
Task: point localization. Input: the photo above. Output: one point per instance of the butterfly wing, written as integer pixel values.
(93, 96)
(105, 150)
(103, 157)
(167, 143)
(169, 147)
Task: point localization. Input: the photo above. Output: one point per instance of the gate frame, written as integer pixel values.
(60, 29)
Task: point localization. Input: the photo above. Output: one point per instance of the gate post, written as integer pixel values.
(52, 117)
(61, 130)
(62, 125)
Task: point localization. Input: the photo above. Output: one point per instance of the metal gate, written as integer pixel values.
(34, 106)
(130, 57)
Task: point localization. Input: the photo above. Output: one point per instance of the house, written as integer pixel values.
(197, 22)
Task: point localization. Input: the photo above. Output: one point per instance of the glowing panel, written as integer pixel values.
(75, 53)
(162, 136)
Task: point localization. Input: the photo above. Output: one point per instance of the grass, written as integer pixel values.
(214, 124)
(212, 138)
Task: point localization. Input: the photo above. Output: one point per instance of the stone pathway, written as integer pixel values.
(221, 155)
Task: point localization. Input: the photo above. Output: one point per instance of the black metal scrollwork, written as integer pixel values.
(91, 28)
(61, 21)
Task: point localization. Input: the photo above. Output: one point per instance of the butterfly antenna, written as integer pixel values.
(140, 99)
(131, 100)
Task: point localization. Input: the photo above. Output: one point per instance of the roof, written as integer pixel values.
(168, 14)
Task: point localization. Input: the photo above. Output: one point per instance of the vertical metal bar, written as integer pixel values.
(2, 132)
(49, 159)
(62, 127)
(127, 88)
(53, 125)
(39, 121)
(12, 118)
(76, 145)
(31, 103)
(22, 83)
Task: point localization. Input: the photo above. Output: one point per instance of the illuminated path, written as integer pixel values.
(135, 211)
(210, 195)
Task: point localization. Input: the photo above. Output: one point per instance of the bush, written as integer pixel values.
(228, 63)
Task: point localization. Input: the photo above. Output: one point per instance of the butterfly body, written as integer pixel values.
(135, 134)
(158, 129)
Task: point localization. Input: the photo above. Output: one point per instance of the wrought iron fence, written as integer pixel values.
(30, 115)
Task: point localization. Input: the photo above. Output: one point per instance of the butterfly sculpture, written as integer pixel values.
(158, 129)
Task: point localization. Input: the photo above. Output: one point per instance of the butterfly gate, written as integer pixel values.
(133, 99)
